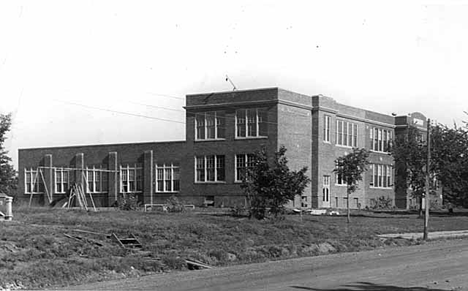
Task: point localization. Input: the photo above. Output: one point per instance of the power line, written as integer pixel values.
(169, 96)
(209, 113)
(155, 106)
(120, 112)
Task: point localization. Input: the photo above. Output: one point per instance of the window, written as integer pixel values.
(209, 169)
(210, 125)
(61, 180)
(33, 181)
(381, 176)
(346, 133)
(167, 178)
(326, 189)
(131, 179)
(326, 128)
(340, 180)
(356, 203)
(96, 179)
(251, 122)
(243, 163)
(380, 139)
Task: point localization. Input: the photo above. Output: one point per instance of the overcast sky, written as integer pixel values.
(61, 60)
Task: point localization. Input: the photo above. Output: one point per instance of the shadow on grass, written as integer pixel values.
(366, 286)
(436, 213)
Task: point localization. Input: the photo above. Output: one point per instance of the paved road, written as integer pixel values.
(431, 235)
(440, 265)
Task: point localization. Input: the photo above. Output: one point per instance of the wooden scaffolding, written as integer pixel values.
(75, 191)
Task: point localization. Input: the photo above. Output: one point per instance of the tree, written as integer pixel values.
(8, 180)
(450, 162)
(409, 152)
(350, 167)
(269, 184)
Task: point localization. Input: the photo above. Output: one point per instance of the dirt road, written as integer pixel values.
(441, 265)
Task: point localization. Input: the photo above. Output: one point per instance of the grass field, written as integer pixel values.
(45, 247)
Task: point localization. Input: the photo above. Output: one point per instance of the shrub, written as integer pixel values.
(174, 204)
(173, 262)
(128, 202)
(239, 211)
(383, 203)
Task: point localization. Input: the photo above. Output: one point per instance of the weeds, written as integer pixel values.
(35, 253)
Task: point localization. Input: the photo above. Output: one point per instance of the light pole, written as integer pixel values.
(428, 188)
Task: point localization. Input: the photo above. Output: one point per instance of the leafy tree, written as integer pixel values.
(409, 152)
(8, 179)
(351, 167)
(450, 162)
(269, 184)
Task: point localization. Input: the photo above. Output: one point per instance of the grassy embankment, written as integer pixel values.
(36, 252)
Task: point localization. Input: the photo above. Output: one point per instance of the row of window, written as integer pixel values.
(212, 168)
(249, 123)
(346, 134)
(96, 179)
(381, 176)
(209, 168)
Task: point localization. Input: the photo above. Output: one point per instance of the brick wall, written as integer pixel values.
(293, 120)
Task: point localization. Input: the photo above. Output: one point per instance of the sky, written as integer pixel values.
(98, 72)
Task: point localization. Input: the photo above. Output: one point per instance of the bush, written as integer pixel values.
(174, 204)
(128, 202)
(239, 211)
(383, 203)
(174, 262)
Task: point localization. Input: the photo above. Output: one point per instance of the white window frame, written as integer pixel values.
(219, 163)
(346, 133)
(34, 179)
(61, 186)
(381, 176)
(247, 160)
(174, 178)
(380, 139)
(97, 173)
(127, 169)
(219, 122)
(258, 122)
(343, 180)
(326, 128)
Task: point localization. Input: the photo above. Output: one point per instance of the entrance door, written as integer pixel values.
(326, 191)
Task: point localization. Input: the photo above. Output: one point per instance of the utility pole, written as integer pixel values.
(428, 187)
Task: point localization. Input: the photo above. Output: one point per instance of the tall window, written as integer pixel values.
(251, 122)
(326, 128)
(33, 182)
(381, 139)
(210, 125)
(61, 180)
(96, 179)
(244, 162)
(209, 168)
(167, 178)
(381, 176)
(131, 179)
(346, 133)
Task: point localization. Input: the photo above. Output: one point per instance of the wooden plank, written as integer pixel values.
(89, 193)
(114, 236)
(49, 195)
(197, 264)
